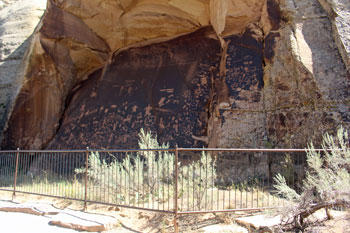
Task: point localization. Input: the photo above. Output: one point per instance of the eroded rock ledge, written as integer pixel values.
(198, 73)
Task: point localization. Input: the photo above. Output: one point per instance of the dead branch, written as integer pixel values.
(326, 204)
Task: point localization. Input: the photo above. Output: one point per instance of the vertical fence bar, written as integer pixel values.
(244, 195)
(176, 226)
(16, 171)
(86, 176)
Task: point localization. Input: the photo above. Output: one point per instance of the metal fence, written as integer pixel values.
(176, 181)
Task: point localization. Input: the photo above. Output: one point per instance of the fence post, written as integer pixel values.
(15, 179)
(176, 226)
(86, 176)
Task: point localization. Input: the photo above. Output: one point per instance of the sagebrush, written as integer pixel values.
(149, 175)
(327, 181)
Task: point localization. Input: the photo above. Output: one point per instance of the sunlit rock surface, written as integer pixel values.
(306, 83)
(339, 13)
(218, 73)
(18, 19)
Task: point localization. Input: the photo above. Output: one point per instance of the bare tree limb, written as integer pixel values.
(327, 204)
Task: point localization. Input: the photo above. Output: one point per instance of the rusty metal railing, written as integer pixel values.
(176, 181)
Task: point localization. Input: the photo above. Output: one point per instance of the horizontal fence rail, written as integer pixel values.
(224, 180)
(177, 181)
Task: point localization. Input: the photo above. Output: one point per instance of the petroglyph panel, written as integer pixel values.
(164, 88)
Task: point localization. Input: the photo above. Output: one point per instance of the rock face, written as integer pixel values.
(170, 97)
(306, 83)
(339, 13)
(217, 73)
(18, 19)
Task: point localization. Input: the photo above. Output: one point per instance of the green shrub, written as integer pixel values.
(198, 176)
(149, 175)
(327, 181)
(159, 165)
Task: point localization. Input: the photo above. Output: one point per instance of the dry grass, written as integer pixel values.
(189, 199)
(218, 199)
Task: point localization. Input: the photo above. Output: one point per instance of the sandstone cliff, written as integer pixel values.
(217, 73)
(17, 22)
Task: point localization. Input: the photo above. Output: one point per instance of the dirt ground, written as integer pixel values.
(129, 220)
